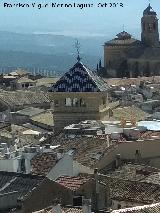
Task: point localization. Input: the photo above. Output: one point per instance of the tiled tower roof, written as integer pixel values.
(149, 11)
(79, 79)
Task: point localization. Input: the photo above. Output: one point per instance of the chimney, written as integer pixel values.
(96, 180)
(118, 161)
(137, 156)
(56, 207)
(60, 154)
(96, 189)
(86, 206)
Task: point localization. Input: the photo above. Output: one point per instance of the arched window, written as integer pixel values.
(150, 27)
(56, 103)
(68, 102)
(144, 26)
(154, 26)
(75, 102)
(82, 103)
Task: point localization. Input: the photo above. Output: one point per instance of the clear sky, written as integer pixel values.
(92, 21)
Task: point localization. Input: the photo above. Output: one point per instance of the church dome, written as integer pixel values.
(123, 35)
(149, 11)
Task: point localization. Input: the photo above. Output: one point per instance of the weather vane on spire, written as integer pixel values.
(77, 46)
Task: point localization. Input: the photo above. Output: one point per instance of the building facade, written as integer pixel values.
(79, 95)
(125, 56)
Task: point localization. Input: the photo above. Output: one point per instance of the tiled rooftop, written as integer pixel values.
(44, 118)
(152, 178)
(131, 81)
(135, 172)
(19, 98)
(149, 135)
(129, 112)
(25, 80)
(133, 191)
(64, 210)
(43, 163)
(72, 183)
(21, 183)
(72, 210)
(116, 41)
(88, 151)
(30, 111)
(19, 72)
(46, 81)
(153, 208)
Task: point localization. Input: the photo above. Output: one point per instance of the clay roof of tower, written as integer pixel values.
(80, 79)
(149, 11)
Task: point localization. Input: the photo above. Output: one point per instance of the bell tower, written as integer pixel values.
(149, 25)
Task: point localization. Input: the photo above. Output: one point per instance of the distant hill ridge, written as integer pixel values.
(56, 52)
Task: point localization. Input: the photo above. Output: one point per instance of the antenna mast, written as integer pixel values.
(77, 46)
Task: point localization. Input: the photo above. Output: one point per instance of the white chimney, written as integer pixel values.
(86, 206)
(56, 209)
(60, 154)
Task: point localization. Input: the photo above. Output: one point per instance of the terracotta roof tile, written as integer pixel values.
(150, 134)
(43, 163)
(72, 183)
(133, 191)
(19, 98)
(23, 183)
(88, 151)
(64, 210)
(153, 208)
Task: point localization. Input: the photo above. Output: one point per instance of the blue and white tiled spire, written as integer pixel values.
(79, 79)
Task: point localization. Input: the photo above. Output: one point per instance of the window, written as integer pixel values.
(56, 103)
(68, 102)
(27, 85)
(23, 169)
(154, 26)
(75, 102)
(150, 27)
(82, 103)
(144, 27)
(119, 206)
(77, 201)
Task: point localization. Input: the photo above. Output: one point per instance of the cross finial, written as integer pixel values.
(77, 46)
(123, 27)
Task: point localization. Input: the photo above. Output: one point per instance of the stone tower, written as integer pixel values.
(149, 25)
(79, 95)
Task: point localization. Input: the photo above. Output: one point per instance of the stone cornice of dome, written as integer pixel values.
(126, 42)
(123, 35)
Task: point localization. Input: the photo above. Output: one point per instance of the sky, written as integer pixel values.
(95, 21)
